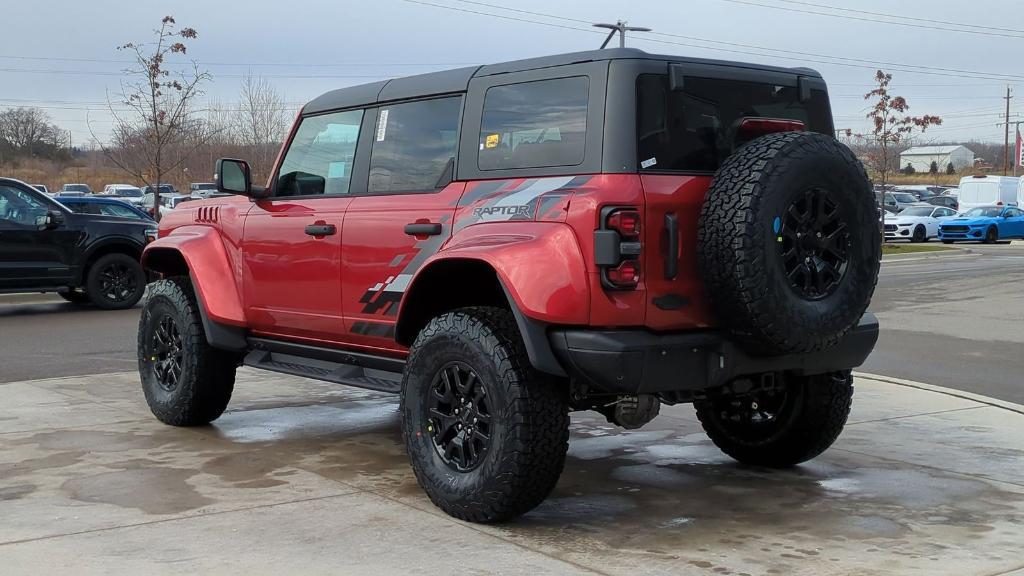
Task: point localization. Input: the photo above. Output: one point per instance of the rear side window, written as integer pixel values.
(695, 129)
(414, 146)
(534, 124)
(319, 159)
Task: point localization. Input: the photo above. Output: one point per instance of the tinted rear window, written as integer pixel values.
(534, 124)
(695, 129)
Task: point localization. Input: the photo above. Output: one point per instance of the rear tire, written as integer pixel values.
(485, 432)
(790, 215)
(186, 381)
(807, 415)
(115, 282)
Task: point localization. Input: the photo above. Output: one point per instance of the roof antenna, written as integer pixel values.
(621, 28)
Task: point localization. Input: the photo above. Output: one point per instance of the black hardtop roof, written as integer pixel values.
(457, 80)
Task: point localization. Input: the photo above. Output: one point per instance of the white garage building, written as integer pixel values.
(921, 157)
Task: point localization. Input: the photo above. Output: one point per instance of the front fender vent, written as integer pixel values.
(207, 215)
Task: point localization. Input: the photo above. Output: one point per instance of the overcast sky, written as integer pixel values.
(60, 54)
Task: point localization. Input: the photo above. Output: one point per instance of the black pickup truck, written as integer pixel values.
(44, 247)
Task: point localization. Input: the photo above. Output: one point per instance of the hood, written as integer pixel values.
(965, 220)
(113, 221)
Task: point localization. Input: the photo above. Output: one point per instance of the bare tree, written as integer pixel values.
(261, 120)
(29, 130)
(157, 133)
(892, 125)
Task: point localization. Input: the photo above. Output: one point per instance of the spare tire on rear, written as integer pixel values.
(789, 245)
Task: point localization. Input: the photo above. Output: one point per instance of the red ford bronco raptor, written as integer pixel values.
(501, 245)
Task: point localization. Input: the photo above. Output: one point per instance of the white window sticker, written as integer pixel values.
(649, 162)
(382, 125)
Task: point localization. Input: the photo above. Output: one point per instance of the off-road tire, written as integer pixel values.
(75, 297)
(529, 420)
(93, 281)
(207, 375)
(740, 242)
(814, 416)
(920, 234)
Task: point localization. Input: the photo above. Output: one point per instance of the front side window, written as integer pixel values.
(20, 208)
(320, 157)
(695, 129)
(414, 146)
(534, 124)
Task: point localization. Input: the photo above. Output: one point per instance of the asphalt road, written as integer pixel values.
(952, 320)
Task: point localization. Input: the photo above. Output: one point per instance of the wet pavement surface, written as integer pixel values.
(307, 477)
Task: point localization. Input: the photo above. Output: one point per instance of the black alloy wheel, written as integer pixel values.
(117, 282)
(459, 416)
(814, 244)
(166, 353)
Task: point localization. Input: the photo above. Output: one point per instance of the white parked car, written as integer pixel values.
(916, 223)
(126, 192)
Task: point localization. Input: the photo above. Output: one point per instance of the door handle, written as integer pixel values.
(423, 229)
(321, 229)
(672, 257)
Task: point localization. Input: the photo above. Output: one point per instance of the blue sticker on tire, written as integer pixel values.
(777, 225)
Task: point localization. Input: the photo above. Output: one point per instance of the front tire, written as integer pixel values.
(791, 423)
(485, 432)
(186, 381)
(991, 235)
(115, 282)
(920, 234)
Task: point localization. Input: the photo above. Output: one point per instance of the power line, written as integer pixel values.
(794, 55)
(103, 73)
(895, 16)
(214, 63)
(873, 20)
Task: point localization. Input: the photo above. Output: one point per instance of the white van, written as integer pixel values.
(988, 190)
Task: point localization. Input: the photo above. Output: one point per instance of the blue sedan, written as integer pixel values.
(986, 224)
(105, 206)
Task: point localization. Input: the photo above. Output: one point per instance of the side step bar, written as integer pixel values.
(348, 368)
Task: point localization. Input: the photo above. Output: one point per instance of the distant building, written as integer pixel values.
(921, 158)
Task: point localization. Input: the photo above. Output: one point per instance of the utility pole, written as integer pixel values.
(1006, 144)
(621, 28)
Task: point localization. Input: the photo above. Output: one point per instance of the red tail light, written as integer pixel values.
(625, 276)
(617, 248)
(625, 222)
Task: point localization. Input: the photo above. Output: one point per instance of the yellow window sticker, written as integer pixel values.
(492, 140)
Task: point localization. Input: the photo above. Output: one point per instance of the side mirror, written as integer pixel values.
(53, 219)
(234, 177)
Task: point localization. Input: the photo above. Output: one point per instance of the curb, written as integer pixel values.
(962, 252)
(993, 402)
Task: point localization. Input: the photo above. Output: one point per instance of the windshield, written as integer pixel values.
(204, 186)
(904, 198)
(75, 188)
(129, 192)
(917, 211)
(984, 212)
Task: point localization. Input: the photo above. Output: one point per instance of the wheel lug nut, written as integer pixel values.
(474, 420)
(458, 426)
(456, 410)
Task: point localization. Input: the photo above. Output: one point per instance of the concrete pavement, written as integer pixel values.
(306, 477)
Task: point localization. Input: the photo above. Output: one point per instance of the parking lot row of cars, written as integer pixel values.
(113, 199)
(982, 208)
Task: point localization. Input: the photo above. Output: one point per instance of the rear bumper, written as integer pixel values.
(638, 361)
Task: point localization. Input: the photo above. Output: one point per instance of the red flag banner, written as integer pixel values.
(1020, 148)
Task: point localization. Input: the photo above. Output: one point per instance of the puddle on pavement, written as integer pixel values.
(154, 490)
